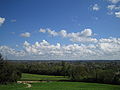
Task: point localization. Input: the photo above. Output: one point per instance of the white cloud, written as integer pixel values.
(44, 43)
(63, 33)
(52, 32)
(10, 52)
(113, 10)
(105, 48)
(86, 32)
(117, 7)
(2, 20)
(95, 7)
(109, 40)
(42, 30)
(83, 36)
(111, 7)
(114, 1)
(26, 34)
(17, 45)
(26, 44)
(84, 39)
(117, 14)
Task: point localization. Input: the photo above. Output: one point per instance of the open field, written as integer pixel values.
(73, 86)
(53, 85)
(60, 86)
(13, 86)
(35, 77)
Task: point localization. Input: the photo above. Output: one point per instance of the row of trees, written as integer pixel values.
(101, 72)
(92, 71)
(80, 73)
(8, 72)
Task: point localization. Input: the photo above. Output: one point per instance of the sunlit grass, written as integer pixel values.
(53, 85)
(35, 77)
(60, 86)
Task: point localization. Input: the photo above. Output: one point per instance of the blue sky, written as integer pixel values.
(85, 22)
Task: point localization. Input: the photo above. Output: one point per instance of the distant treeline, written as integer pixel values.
(85, 71)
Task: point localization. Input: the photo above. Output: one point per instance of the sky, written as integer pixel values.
(60, 29)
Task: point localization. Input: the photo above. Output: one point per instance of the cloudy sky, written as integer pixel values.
(60, 29)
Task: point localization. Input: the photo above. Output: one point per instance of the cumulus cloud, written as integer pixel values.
(105, 48)
(117, 14)
(95, 7)
(26, 34)
(42, 30)
(63, 33)
(83, 36)
(2, 20)
(86, 32)
(52, 32)
(26, 43)
(10, 52)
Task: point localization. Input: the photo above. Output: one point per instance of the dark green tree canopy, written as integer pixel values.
(8, 72)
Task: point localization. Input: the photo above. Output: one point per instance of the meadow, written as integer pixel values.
(35, 77)
(56, 85)
(60, 86)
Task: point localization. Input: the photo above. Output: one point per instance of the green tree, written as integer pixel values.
(8, 73)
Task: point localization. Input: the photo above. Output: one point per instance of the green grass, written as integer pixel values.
(61, 86)
(35, 77)
(73, 86)
(13, 86)
(53, 85)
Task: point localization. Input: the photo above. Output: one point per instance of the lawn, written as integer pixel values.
(54, 85)
(73, 86)
(13, 86)
(35, 77)
(60, 86)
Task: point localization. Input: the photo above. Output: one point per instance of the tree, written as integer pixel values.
(8, 72)
(77, 73)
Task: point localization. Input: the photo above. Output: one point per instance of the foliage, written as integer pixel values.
(8, 73)
(101, 71)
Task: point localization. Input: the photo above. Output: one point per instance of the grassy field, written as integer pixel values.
(60, 86)
(13, 86)
(73, 86)
(35, 77)
(53, 85)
